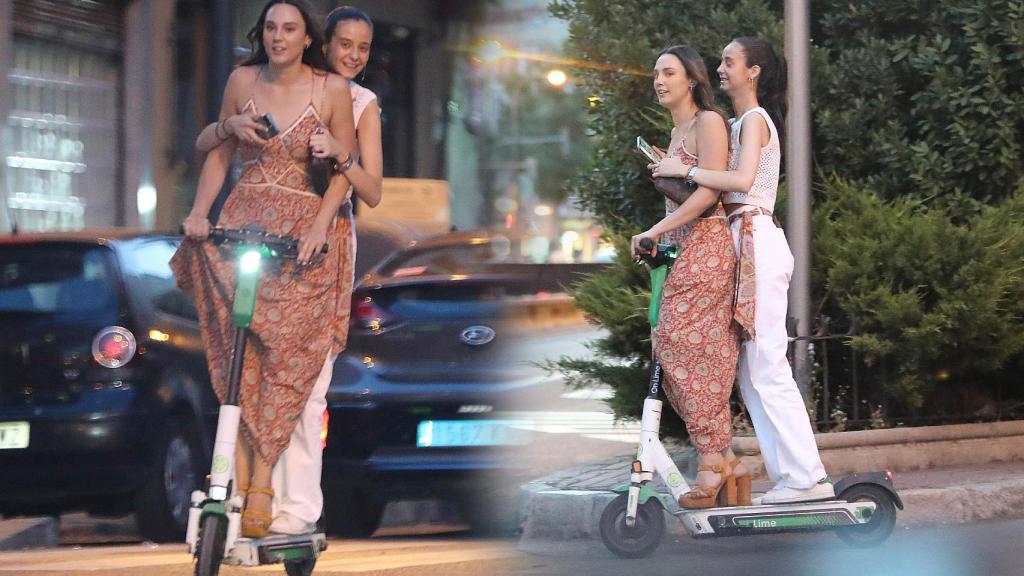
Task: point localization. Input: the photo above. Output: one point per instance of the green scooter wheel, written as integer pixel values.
(640, 540)
(212, 533)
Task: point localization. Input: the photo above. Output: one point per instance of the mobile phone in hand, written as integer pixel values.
(647, 150)
(270, 127)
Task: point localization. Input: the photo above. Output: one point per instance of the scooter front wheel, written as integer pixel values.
(212, 533)
(640, 540)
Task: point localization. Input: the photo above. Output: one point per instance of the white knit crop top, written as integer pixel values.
(766, 181)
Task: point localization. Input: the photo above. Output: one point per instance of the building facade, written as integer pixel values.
(101, 100)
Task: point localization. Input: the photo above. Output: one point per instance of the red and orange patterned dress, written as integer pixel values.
(301, 312)
(695, 340)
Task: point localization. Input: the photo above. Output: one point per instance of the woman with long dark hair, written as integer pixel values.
(296, 327)
(694, 340)
(754, 77)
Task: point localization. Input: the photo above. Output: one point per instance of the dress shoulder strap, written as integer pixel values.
(255, 83)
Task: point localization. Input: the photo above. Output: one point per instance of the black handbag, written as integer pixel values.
(674, 188)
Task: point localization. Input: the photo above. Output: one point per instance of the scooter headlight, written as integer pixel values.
(250, 262)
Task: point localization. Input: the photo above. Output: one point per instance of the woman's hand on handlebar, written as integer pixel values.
(634, 244)
(310, 244)
(197, 227)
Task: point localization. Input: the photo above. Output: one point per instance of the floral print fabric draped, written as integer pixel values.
(695, 340)
(301, 312)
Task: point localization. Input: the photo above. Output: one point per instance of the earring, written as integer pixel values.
(692, 85)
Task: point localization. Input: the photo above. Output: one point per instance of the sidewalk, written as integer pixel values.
(568, 504)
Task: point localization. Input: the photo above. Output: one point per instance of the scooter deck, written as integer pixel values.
(275, 549)
(746, 520)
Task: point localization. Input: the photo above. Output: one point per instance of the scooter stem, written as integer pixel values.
(235, 377)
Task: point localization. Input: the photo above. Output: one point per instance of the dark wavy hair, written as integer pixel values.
(344, 14)
(771, 84)
(697, 72)
(312, 56)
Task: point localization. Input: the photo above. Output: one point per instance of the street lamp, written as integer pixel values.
(557, 78)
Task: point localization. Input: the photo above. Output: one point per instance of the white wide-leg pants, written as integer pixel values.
(298, 499)
(766, 381)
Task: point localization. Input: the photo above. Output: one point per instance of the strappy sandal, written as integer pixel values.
(256, 524)
(711, 496)
(742, 485)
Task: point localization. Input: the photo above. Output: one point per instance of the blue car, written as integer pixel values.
(413, 401)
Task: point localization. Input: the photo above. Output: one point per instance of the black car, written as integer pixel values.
(106, 406)
(413, 401)
(105, 402)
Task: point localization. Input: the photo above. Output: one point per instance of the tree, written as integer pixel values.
(918, 113)
(923, 98)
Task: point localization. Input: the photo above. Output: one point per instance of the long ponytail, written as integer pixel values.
(771, 83)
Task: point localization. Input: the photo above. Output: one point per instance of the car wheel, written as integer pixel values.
(163, 502)
(351, 511)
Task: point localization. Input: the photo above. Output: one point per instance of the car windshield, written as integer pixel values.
(55, 278)
(148, 271)
(469, 258)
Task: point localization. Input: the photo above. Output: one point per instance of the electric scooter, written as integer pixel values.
(214, 520)
(863, 513)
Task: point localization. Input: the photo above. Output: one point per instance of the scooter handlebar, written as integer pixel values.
(282, 246)
(664, 254)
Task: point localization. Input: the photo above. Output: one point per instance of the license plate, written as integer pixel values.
(442, 433)
(13, 435)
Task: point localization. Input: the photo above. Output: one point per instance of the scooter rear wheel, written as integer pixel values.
(212, 533)
(881, 523)
(640, 540)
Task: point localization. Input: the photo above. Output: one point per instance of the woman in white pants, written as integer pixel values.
(298, 499)
(754, 77)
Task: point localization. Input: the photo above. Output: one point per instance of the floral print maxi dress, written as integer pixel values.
(301, 312)
(695, 340)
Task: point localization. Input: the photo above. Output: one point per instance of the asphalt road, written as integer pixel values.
(984, 549)
(424, 554)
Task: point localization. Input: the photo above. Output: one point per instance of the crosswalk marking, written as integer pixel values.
(598, 425)
(589, 394)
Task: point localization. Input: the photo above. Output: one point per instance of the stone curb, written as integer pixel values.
(547, 513)
(19, 533)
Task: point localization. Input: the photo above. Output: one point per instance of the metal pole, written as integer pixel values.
(798, 179)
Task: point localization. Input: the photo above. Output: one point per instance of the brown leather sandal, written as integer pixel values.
(256, 524)
(742, 485)
(711, 496)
